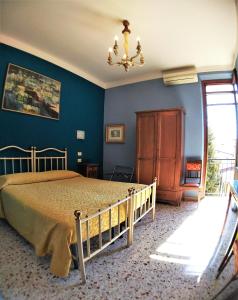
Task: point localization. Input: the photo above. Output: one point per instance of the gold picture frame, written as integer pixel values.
(115, 133)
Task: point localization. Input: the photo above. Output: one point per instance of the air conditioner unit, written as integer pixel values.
(180, 76)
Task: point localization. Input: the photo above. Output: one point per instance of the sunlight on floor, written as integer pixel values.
(194, 242)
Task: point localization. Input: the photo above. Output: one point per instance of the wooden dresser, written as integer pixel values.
(160, 143)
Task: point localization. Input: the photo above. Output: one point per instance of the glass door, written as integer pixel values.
(221, 135)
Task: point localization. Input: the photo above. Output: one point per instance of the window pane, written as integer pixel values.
(220, 98)
(219, 88)
(222, 123)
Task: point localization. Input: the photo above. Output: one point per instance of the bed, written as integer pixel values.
(63, 213)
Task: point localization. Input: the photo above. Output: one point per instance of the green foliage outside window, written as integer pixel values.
(213, 178)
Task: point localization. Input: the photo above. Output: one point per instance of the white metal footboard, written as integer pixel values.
(127, 205)
(136, 205)
(144, 202)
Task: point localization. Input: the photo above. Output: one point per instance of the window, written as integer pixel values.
(220, 134)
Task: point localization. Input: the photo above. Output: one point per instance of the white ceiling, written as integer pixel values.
(76, 34)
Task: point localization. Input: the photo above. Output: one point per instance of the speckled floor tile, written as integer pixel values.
(169, 259)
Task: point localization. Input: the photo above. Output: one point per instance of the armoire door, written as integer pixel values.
(166, 149)
(146, 147)
(168, 124)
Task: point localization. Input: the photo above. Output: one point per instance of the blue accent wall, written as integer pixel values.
(81, 107)
(121, 103)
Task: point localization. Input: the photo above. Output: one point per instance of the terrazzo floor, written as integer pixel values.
(171, 258)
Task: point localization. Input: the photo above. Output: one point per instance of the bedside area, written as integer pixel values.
(89, 169)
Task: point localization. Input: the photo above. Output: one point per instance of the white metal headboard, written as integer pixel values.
(14, 159)
(49, 159)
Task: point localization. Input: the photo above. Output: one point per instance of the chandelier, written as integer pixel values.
(126, 61)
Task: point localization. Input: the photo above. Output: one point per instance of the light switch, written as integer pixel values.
(80, 135)
(80, 153)
(79, 160)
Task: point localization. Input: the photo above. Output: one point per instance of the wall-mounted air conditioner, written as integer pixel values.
(180, 75)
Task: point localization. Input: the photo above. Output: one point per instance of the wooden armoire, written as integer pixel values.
(160, 143)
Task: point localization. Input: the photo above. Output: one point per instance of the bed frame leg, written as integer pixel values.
(77, 214)
(154, 197)
(130, 217)
(73, 249)
(122, 225)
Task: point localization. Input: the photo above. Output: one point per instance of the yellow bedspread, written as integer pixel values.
(41, 210)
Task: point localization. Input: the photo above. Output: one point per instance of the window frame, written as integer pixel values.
(205, 123)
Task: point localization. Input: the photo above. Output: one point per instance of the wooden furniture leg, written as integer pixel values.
(235, 249)
(222, 267)
(233, 278)
(233, 245)
(227, 211)
(228, 252)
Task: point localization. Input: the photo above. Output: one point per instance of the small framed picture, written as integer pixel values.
(115, 133)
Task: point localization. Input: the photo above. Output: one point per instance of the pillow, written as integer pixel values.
(33, 177)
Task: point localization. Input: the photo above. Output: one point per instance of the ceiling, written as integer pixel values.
(76, 34)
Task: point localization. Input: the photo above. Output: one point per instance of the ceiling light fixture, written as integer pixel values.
(126, 61)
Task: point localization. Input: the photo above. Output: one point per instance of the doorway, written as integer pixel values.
(220, 135)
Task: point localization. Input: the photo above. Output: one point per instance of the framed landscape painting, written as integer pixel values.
(115, 133)
(31, 93)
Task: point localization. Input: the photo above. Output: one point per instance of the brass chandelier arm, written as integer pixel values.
(115, 48)
(138, 48)
(127, 63)
(114, 63)
(139, 64)
(135, 56)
